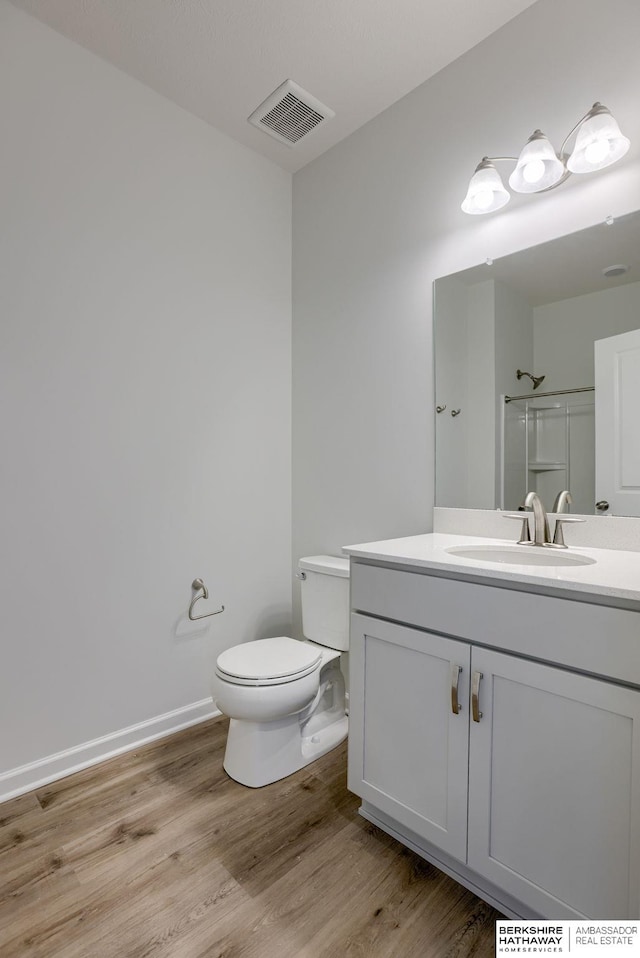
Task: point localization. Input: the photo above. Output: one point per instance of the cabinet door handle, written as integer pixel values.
(455, 674)
(475, 696)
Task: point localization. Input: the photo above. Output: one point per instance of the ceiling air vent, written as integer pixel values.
(290, 113)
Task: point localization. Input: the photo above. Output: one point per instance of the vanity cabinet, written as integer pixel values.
(553, 788)
(532, 799)
(412, 755)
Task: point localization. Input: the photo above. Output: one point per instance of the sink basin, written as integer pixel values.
(520, 555)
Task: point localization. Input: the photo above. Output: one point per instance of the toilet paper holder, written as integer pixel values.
(201, 592)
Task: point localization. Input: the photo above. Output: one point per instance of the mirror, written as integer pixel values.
(537, 375)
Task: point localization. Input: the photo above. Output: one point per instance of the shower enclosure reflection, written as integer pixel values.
(547, 446)
(541, 310)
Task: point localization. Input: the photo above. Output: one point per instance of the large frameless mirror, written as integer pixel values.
(537, 375)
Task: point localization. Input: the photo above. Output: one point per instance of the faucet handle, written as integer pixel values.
(558, 536)
(525, 534)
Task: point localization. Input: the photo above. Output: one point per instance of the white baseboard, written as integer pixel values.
(36, 774)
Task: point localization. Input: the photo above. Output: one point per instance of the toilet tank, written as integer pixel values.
(324, 585)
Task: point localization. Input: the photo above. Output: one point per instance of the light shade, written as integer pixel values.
(538, 168)
(599, 142)
(486, 192)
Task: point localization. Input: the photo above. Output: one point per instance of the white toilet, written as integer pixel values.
(285, 698)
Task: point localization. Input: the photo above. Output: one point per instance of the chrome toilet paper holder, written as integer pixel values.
(201, 592)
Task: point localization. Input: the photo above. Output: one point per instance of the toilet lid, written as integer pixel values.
(266, 660)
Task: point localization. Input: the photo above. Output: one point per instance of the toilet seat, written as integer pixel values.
(265, 662)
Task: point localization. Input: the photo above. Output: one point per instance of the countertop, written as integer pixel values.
(613, 578)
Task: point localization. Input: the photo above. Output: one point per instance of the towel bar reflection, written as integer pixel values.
(202, 592)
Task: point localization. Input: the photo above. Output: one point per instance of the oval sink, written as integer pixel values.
(520, 555)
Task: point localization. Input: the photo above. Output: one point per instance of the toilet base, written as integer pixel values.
(259, 753)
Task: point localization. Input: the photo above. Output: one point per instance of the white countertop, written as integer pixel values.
(615, 574)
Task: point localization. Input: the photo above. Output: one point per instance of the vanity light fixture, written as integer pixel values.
(599, 143)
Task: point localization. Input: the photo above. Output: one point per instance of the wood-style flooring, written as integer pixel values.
(158, 853)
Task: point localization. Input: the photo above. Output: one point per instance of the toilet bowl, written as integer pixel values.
(286, 697)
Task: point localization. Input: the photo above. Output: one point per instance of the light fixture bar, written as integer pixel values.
(599, 143)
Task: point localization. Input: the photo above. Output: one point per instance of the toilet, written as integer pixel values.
(285, 697)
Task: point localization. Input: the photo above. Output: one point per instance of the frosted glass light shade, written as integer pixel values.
(538, 168)
(486, 192)
(599, 142)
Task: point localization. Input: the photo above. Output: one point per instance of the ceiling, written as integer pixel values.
(219, 59)
(569, 266)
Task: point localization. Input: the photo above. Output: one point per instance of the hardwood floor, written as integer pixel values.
(158, 853)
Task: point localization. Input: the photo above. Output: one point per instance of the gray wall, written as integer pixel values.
(564, 332)
(145, 401)
(451, 344)
(378, 218)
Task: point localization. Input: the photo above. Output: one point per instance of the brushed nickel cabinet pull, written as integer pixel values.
(455, 675)
(475, 694)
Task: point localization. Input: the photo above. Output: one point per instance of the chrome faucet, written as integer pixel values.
(541, 536)
(563, 501)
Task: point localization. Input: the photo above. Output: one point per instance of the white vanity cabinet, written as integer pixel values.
(411, 758)
(554, 810)
(532, 797)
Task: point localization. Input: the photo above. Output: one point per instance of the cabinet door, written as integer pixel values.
(408, 749)
(554, 797)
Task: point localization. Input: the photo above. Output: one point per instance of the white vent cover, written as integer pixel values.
(290, 113)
